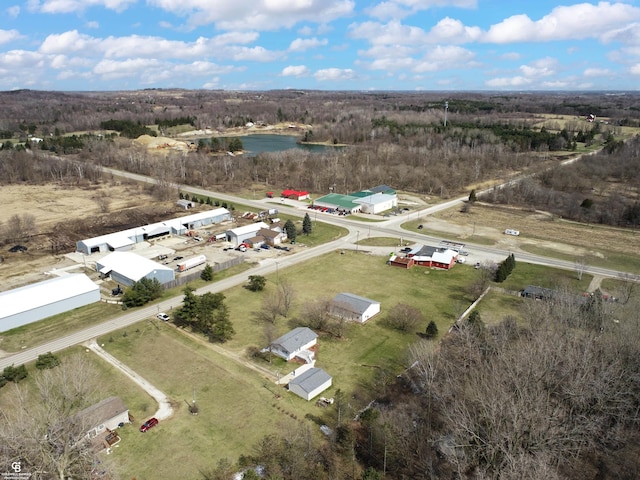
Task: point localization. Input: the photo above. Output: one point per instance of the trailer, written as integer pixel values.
(191, 262)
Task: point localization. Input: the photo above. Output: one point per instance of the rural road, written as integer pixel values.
(357, 230)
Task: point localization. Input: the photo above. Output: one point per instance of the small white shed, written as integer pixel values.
(311, 383)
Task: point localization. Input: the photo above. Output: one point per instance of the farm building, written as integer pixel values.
(295, 343)
(436, 257)
(340, 203)
(295, 194)
(126, 268)
(240, 234)
(402, 262)
(377, 202)
(125, 239)
(311, 383)
(31, 303)
(353, 307)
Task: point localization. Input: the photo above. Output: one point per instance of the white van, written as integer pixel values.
(508, 231)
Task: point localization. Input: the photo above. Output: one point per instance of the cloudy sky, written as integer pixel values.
(320, 44)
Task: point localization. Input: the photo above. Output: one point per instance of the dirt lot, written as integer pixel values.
(54, 207)
(536, 228)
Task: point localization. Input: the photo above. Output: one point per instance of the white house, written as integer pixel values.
(297, 342)
(353, 307)
(240, 234)
(310, 383)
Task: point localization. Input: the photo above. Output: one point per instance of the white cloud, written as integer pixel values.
(398, 9)
(295, 71)
(540, 68)
(92, 24)
(597, 72)
(7, 36)
(392, 33)
(304, 44)
(508, 82)
(578, 21)
(260, 15)
(511, 56)
(13, 11)
(334, 74)
(635, 69)
(453, 31)
(228, 45)
(71, 6)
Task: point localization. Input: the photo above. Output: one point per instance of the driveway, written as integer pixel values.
(165, 410)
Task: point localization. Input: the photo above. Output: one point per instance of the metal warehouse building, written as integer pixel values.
(124, 240)
(127, 268)
(31, 303)
(240, 234)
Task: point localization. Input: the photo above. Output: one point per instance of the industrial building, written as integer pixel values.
(126, 268)
(125, 239)
(41, 300)
(240, 234)
(374, 201)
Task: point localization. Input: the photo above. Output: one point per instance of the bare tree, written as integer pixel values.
(404, 317)
(315, 314)
(287, 295)
(46, 432)
(581, 266)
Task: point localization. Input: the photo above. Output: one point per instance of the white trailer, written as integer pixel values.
(191, 262)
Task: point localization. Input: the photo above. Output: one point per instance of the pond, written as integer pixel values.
(255, 144)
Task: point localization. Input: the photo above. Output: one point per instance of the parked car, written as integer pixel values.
(163, 316)
(420, 227)
(18, 248)
(175, 259)
(265, 246)
(477, 265)
(152, 422)
(198, 238)
(162, 257)
(406, 250)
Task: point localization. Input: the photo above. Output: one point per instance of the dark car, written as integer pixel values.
(406, 250)
(420, 227)
(265, 246)
(175, 259)
(152, 422)
(18, 248)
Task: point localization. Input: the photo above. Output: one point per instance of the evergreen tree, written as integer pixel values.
(207, 273)
(432, 330)
(472, 196)
(307, 226)
(290, 228)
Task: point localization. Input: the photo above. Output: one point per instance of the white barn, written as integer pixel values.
(311, 383)
(294, 343)
(41, 300)
(126, 268)
(353, 307)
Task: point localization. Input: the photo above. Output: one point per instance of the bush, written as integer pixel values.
(46, 361)
(256, 283)
(432, 330)
(15, 374)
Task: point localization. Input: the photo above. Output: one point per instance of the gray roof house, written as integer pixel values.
(108, 414)
(310, 383)
(297, 342)
(353, 307)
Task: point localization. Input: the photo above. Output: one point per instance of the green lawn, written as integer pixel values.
(529, 274)
(609, 259)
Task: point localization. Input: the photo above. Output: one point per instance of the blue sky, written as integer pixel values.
(320, 44)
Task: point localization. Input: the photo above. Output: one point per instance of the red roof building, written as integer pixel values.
(295, 194)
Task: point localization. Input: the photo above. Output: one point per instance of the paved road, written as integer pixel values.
(357, 230)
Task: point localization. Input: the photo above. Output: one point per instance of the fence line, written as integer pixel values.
(190, 277)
